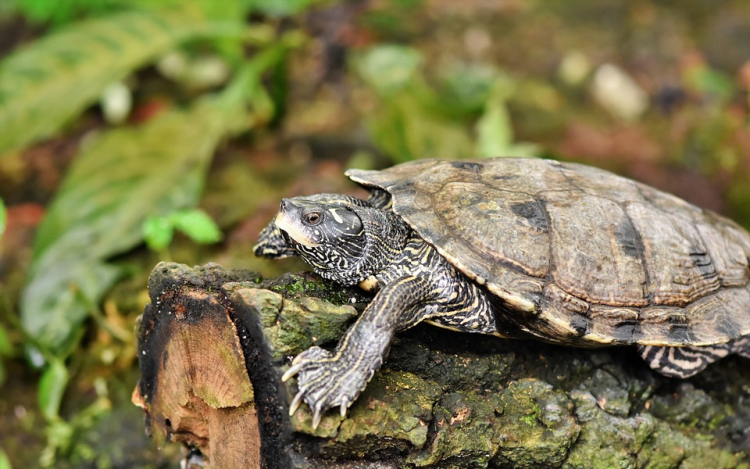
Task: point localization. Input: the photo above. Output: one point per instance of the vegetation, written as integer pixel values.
(135, 130)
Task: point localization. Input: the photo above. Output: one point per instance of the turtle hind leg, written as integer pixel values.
(742, 346)
(683, 362)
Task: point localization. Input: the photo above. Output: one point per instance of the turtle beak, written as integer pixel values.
(288, 220)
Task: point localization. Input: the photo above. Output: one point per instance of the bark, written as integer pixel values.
(214, 344)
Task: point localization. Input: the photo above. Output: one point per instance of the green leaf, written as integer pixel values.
(197, 225)
(279, 7)
(59, 12)
(389, 68)
(494, 128)
(465, 88)
(494, 131)
(4, 461)
(47, 83)
(51, 389)
(158, 233)
(121, 179)
(232, 10)
(406, 129)
(5, 346)
(5, 350)
(711, 82)
(3, 218)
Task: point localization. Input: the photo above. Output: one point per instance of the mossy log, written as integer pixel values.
(214, 344)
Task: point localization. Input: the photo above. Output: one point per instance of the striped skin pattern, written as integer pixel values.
(271, 242)
(522, 248)
(352, 243)
(674, 361)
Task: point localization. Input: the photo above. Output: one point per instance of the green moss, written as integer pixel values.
(303, 284)
(642, 441)
(467, 370)
(605, 441)
(292, 288)
(291, 325)
(536, 425)
(467, 427)
(657, 446)
(392, 414)
(447, 400)
(690, 408)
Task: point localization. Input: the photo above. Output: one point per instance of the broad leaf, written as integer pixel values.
(389, 68)
(409, 122)
(3, 218)
(406, 129)
(194, 223)
(51, 388)
(197, 225)
(465, 88)
(45, 84)
(494, 128)
(61, 12)
(123, 177)
(279, 7)
(494, 131)
(4, 461)
(158, 233)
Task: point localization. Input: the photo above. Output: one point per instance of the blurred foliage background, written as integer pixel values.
(134, 131)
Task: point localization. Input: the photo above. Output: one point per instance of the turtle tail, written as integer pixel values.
(683, 362)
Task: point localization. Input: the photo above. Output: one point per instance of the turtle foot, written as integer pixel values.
(323, 382)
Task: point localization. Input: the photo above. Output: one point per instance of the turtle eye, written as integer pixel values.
(313, 218)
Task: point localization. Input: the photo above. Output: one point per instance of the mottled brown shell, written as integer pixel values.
(579, 255)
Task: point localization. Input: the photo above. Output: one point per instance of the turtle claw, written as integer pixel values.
(344, 406)
(317, 415)
(295, 368)
(320, 385)
(296, 402)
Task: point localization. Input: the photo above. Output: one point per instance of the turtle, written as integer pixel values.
(517, 248)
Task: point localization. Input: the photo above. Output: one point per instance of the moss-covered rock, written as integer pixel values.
(450, 400)
(459, 418)
(537, 425)
(606, 441)
(469, 370)
(308, 285)
(445, 399)
(293, 325)
(640, 441)
(391, 415)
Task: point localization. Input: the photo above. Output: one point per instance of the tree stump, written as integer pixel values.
(214, 343)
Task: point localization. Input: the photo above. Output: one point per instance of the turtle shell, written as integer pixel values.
(579, 255)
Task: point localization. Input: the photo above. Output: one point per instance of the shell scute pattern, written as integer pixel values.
(586, 256)
(599, 183)
(524, 246)
(594, 262)
(677, 260)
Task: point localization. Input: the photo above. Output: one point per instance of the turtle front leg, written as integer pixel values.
(329, 380)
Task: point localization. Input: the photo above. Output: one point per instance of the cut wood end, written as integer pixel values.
(137, 399)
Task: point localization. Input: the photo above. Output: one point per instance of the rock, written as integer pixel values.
(441, 399)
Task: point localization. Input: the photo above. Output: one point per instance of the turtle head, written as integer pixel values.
(273, 243)
(331, 237)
